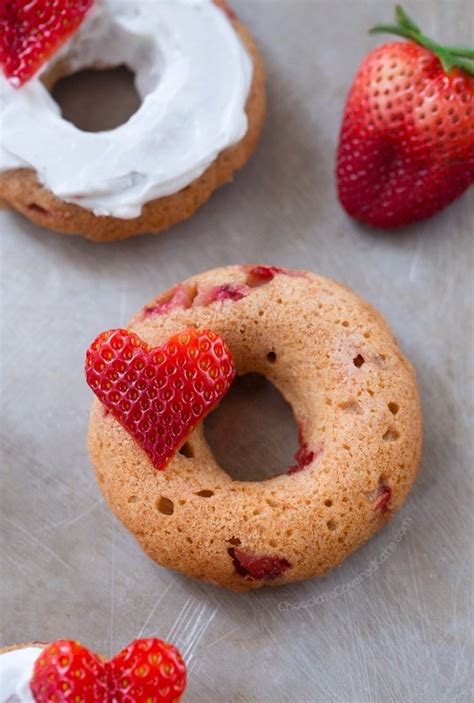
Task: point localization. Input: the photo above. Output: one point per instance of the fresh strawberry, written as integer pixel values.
(159, 394)
(147, 670)
(32, 30)
(406, 146)
(67, 671)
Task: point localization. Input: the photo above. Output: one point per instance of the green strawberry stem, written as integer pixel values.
(460, 51)
(450, 57)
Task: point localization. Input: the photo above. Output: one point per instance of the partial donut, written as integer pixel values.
(355, 400)
(16, 670)
(202, 80)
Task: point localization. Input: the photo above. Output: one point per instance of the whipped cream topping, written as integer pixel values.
(193, 74)
(16, 670)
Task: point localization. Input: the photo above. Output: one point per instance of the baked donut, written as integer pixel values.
(146, 670)
(201, 79)
(355, 400)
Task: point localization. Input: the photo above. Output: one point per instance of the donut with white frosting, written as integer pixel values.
(356, 403)
(201, 80)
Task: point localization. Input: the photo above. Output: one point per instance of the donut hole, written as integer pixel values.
(97, 100)
(252, 433)
(394, 408)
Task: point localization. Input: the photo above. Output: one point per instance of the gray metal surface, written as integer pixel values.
(399, 632)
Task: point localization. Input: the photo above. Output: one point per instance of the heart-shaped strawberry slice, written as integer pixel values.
(146, 670)
(159, 394)
(32, 30)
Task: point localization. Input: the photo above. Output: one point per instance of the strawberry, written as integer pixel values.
(147, 670)
(303, 457)
(383, 498)
(260, 275)
(220, 294)
(67, 671)
(406, 147)
(32, 30)
(159, 394)
(179, 298)
(257, 566)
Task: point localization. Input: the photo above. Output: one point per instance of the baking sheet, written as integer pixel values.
(400, 632)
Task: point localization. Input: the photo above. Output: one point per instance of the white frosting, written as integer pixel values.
(16, 670)
(193, 75)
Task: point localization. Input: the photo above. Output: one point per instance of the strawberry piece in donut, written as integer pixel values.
(218, 294)
(259, 275)
(181, 297)
(257, 566)
(184, 296)
(384, 495)
(304, 457)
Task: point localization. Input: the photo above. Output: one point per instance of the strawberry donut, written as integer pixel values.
(146, 670)
(201, 80)
(334, 359)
